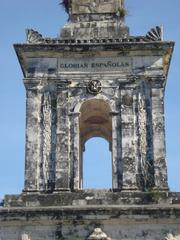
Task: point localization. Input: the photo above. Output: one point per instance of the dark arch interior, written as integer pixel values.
(95, 121)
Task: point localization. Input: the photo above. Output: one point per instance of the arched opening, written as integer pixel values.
(97, 164)
(95, 121)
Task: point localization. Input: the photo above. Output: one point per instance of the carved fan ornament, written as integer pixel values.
(33, 36)
(155, 34)
(98, 234)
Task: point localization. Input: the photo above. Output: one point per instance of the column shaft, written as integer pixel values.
(75, 152)
(128, 140)
(159, 148)
(116, 152)
(33, 140)
(62, 145)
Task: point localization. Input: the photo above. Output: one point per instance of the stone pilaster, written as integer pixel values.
(75, 151)
(33, 136)
(62, 145)
(159, 148)
(116, 152)
(52, 164)
(144, 136)
(47, 159)
(128, 138)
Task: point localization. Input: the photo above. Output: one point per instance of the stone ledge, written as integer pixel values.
(159, 213)
(91, 197)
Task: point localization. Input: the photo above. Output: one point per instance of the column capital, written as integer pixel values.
(114, 113)
(31, 84)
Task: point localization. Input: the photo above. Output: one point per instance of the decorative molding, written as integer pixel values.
(171, 237)
(155, 34)
(25, 236)
(32, 84)
(33, 36)
(63, 84)
(98, 234)
(94, 87)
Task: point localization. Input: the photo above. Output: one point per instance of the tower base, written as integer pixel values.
(90, 215)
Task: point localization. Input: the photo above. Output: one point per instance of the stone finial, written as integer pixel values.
(171, 237)
(98, 234)
(25, 236)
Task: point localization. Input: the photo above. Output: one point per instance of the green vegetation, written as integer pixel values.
(122, 12)
(65, 4)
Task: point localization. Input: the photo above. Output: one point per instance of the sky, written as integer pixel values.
(48, 17)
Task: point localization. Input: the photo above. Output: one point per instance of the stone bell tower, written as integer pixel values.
(94, 80)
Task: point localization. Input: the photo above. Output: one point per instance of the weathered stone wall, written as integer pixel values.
(127, 223)
(95, 80)
(131, 85)
(92, 19)
(94, 6)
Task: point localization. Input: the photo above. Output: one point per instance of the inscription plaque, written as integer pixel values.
(94, 64)
(56, 66)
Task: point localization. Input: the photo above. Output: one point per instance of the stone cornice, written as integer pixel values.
(108, 45)
(161, 48)
(154, 35)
